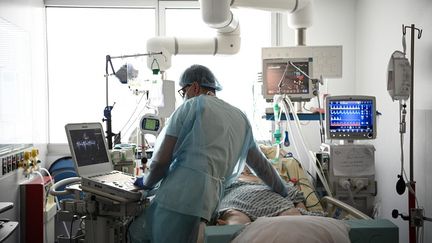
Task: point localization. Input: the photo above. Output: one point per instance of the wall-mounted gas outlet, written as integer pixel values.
(10, 162)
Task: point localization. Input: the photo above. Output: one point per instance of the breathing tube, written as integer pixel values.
(286, 106)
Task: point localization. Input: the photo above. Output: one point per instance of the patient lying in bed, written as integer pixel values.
(248, 198)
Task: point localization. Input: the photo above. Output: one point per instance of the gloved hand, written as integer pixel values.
(139, 182)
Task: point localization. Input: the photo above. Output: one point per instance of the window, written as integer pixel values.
(236, 73)
(15, 85)
(80, 38)
(78, 41)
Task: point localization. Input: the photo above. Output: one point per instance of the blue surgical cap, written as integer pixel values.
(200, 74)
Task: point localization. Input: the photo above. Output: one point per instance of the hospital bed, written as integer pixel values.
(361, 228)
(361, 231)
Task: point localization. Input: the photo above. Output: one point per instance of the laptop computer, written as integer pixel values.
(93, 164)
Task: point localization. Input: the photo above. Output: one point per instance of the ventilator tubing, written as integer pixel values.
(287, 105)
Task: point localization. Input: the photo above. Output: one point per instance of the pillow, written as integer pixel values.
(286, 229)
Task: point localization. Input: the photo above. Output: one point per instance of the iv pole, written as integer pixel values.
(108, 108)
(411, 195)
(416, 216)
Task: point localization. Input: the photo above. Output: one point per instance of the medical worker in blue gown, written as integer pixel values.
(202, 149)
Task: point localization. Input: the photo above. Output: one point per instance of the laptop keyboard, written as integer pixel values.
(116, 178)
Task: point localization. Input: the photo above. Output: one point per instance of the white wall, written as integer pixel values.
(378, 34)
(28, 16)
(369, 32)
(333, 24)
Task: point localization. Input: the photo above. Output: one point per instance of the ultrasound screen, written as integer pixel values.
(89, 146)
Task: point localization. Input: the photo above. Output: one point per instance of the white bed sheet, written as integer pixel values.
(286, 229)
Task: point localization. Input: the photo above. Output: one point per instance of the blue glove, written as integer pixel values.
(139, 182)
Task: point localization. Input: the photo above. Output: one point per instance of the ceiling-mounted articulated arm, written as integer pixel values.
(217, 14)
(223, 43)
(299, 11)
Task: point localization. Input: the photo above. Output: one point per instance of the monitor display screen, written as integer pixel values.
(150, 124)
(286, 72)
(350, 117)
(89, 146)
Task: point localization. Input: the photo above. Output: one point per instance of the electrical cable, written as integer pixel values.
(288, 106)
(304, 107)
(59, 208)
(402, 153)
(92, 226)
(139, 114)
(49, 174)
(319, 165)
(287, 102)
(297, 123)
(312, 159)
(133, 112)
(51, 179)
(410, 189)
(40, 175)
(136, 118)
(288, 120)
(401, 132)
(417, 234)
(311, 206)
(81, 222)
(312, 156)
(304, 184)
(293, 141)
(64, 223)
(128, 234)
(313, 179)
(310, 193)
(320, 117)
(280, 84)
(422, 234)
(351, 196)
(71, 225)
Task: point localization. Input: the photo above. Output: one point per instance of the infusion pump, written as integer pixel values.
(151, 124)
(399, 76)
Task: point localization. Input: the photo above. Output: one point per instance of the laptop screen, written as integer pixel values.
(89, 147)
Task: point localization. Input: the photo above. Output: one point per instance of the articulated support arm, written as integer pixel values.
(217, 14)
(223, 43)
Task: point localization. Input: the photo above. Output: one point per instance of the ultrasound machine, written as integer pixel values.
(105, 200)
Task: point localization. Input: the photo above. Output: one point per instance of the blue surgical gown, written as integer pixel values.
(213, 141)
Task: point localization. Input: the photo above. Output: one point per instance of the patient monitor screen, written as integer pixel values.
(150, 124)
(350, 118)
(89, 146)
(292, 81)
